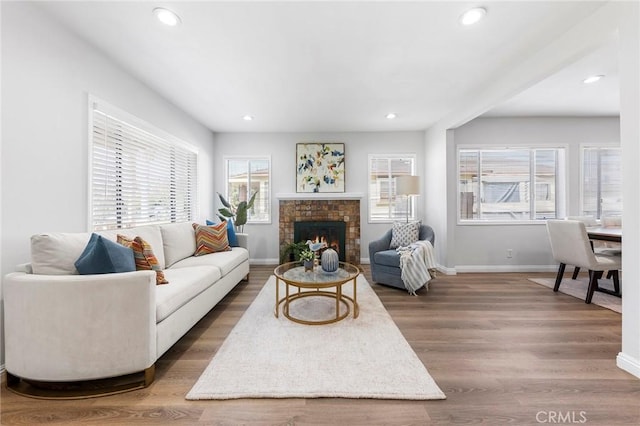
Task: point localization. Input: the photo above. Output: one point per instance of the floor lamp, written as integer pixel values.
(407, 186)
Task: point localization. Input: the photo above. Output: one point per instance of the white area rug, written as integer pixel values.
(269, 357)
(578, 288)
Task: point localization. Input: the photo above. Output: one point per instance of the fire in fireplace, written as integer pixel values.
(333, 233)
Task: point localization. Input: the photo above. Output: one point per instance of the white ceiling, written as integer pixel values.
(565, 94)
(338, 66)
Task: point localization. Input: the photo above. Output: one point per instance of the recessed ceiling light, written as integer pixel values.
(472, 16)
(247, 117)
(391, 115)
(592, 79)
(166, 16)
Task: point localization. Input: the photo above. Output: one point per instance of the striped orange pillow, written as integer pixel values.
(211, 239)
(144, 257)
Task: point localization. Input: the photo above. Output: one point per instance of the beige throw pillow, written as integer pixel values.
(404, 234)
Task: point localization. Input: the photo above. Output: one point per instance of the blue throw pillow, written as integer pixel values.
(231, 231)
(103, 256)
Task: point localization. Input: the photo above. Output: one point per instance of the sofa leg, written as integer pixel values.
(246, 278)
(149, 375)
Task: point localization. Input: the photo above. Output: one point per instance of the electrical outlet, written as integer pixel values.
(509, 253)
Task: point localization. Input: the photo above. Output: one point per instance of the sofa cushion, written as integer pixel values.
(150, 233)
(186, 283)
(387, 258)
(403, 234)
(103, 256)
(56, 253)
(226, 261)
(211, 239)
(179, 240)
(145, 260)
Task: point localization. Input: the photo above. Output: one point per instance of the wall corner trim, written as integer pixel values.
(628, 364)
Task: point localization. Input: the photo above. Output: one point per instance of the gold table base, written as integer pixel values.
(337, 295)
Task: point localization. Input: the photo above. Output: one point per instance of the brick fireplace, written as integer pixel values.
(306, 209)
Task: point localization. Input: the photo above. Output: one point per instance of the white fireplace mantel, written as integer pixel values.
(320, 196)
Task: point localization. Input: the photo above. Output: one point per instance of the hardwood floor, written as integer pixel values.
(503, 349)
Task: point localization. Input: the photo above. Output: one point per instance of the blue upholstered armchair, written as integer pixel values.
(385, 261)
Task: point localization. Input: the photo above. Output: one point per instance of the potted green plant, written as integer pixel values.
(236, 212)
(290, 252)
(307, 256)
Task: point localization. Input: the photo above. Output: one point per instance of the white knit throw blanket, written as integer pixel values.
(416, 262)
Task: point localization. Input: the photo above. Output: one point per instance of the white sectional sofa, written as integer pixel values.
(62, 327)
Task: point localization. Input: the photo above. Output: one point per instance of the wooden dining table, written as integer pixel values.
(612, 234)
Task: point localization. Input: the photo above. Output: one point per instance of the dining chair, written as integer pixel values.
(570, 246)
(588, 221)
(611, 247)
(599, 247)
(612, 222)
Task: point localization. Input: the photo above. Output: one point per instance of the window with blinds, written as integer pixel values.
(139, 175)
(601, 181)
(384, 206)
(510, 184)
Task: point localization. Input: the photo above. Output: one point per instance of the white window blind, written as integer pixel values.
(138, 175)
(384, 205)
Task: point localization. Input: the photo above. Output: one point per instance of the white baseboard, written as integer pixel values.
(264, 261)
(506, 268)
(628, 364)
(447, 271)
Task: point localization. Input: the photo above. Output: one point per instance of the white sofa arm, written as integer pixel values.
(79, 327)
(243, 240)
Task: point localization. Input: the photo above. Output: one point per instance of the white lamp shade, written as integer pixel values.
(407, 185)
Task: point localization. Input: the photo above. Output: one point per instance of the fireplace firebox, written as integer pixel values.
(333, 233)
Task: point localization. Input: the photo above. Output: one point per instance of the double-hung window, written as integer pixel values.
(510, 184)
(601, 181)
(139, 175)
(384, 205)
(246, 176)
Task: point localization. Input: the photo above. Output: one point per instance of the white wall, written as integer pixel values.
(282, 147)
(1, 274)
(629, 56)
(47, 75)
(434, 201)
(484, 247)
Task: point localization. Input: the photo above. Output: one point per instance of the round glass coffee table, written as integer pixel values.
(316, 283)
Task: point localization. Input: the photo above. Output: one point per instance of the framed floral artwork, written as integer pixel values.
(320, 167)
